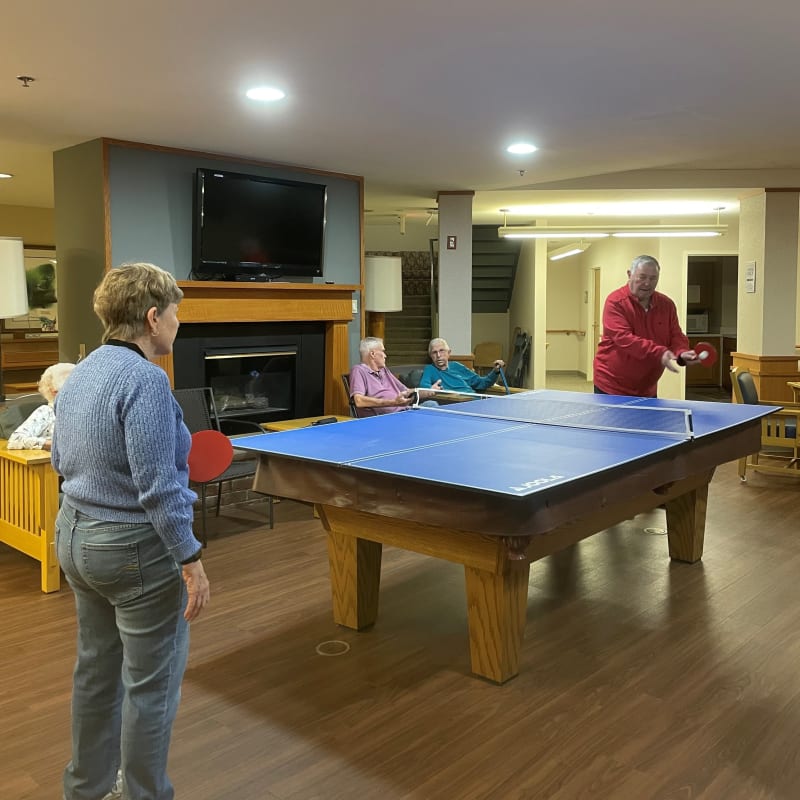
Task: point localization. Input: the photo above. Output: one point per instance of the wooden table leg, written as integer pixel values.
(496, 609)
(355, 566)
(686, 524)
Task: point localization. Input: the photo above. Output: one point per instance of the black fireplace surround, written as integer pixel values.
(258, 371)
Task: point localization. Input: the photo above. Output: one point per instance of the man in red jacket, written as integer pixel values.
(641, 336)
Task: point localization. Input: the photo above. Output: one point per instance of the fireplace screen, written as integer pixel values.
(251, 383)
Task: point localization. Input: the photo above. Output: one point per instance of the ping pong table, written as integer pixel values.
(496, 484)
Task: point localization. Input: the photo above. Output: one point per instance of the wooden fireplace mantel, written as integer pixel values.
(332, 304)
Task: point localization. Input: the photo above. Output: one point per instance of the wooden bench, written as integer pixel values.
(28, 507)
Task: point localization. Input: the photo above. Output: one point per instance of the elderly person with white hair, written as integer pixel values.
(374, 389)
(36, 433)
(453, 376)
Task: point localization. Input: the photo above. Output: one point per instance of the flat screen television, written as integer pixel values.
(248, 227)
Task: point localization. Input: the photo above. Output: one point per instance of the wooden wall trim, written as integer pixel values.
(218, 301)
(770, 374)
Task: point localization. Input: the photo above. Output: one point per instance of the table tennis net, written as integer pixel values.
(672, 422)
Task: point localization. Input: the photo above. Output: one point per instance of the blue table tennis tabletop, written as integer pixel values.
(523, 476)
(514, 445)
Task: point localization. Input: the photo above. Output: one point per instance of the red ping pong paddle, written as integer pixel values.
(210, 455)
(707, 353)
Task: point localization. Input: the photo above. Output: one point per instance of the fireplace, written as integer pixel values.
(258, 371)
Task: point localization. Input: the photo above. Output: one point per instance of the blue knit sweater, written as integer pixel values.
(122, 446)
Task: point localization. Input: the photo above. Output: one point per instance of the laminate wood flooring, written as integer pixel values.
(640, 679)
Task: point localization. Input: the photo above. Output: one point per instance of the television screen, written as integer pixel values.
(251, 227)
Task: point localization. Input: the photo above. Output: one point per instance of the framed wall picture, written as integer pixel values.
(40, 277)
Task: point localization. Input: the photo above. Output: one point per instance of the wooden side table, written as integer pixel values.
(302, 422)
(28, 508)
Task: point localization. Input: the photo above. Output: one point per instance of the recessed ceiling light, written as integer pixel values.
(266, 94)
(521, 148)
(6, 175)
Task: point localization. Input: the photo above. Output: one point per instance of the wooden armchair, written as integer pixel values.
(486, 353)
(780, 432)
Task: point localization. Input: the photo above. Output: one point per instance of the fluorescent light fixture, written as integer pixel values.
(567, 250)
(265, 94)
(522, 148)
(654, 233)
(552, 232)
(643, 209)
(603, 231)
(5, 175)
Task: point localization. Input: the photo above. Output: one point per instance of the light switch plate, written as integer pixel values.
(355, 305)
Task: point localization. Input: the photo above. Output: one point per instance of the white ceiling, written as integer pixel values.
(626, 100)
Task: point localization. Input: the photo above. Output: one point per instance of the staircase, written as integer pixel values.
(409, 331)
(494, 267)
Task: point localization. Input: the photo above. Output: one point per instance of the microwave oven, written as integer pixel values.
(697, 323)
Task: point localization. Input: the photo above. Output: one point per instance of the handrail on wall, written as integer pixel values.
(567, 331)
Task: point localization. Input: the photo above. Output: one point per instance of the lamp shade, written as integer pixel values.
(384, 283)
(14, 294)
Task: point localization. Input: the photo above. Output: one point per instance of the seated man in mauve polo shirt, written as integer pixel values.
(373, 388)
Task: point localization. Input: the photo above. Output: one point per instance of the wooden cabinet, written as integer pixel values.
(24, 359)
(700, 287)
(726, 356)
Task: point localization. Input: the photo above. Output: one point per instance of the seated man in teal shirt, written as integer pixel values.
(453, 376)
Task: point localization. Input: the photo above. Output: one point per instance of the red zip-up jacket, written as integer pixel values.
(628, 358)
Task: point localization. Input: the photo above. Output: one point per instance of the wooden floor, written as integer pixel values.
(639, 678)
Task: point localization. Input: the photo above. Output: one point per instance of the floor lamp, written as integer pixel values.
(14, 297)
(384, 290)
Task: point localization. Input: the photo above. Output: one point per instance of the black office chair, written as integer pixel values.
(350, 401)
(200, 414)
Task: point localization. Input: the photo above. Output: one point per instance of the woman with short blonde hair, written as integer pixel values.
(125, 542)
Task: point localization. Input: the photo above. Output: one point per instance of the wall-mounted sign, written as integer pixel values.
(750, 277)
(451, 242)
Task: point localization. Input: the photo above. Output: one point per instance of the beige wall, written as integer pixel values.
(32, 225)
(387, 237)
(564, 306)
(528, 309)
(491, 328)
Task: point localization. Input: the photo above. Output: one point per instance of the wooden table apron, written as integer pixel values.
(494, 538)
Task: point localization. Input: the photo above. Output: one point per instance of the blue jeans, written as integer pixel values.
(132, 647)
